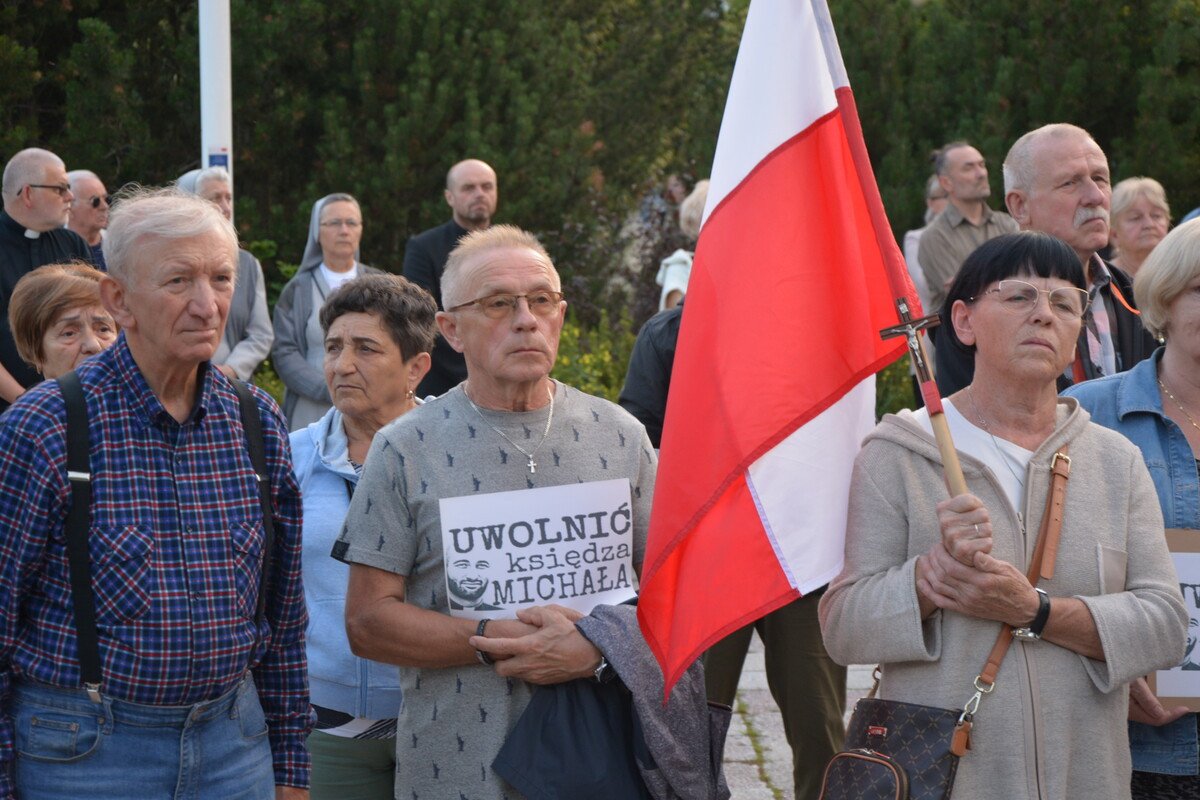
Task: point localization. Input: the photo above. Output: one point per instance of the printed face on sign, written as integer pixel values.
(467, 583)
(568, 545)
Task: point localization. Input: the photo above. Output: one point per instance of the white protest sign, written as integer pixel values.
(571, 545)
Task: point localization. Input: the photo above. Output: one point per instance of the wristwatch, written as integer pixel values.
(1033, 631)
(603, 672)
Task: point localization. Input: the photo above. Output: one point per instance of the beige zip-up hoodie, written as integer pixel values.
(1054, 728)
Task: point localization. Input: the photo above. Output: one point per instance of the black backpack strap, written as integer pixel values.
(252, 422)
(79, 520)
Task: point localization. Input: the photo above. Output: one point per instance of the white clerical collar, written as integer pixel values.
(32, 234)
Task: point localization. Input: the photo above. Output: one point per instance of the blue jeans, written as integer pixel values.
(69, 747)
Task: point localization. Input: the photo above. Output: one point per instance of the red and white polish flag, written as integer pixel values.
(773, 387)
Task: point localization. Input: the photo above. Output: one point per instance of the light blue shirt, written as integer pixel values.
(1131, 404)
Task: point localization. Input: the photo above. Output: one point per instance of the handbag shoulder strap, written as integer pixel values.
(1045, 553)
(1041, 565)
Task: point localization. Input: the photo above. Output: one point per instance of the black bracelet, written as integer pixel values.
(1043, 614)
(483, 657)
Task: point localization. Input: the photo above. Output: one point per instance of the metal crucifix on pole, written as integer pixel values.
(910, 329)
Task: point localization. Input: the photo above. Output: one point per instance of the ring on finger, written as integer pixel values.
(977, 531)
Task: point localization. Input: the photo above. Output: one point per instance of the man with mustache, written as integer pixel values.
(1056, 180)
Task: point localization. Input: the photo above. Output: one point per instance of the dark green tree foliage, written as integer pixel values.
(926, 73)
(582, 105)
(577, 104)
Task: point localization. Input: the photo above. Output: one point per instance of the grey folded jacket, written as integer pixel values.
(684, 738)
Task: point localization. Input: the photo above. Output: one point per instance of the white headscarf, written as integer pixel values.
(313, 255)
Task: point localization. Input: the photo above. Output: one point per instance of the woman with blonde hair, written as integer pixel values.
(1156, 405)
(677, 268)
(1139, 220)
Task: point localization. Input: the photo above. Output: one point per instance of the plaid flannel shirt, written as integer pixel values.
(176, 544)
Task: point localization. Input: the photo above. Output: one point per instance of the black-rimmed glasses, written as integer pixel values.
(95, 201)
(63, 189)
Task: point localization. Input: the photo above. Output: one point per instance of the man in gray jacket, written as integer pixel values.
(248, 332)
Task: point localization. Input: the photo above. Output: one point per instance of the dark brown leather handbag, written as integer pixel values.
(904, 751)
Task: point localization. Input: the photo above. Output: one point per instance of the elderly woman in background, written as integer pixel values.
(57, 319)
(330, 259)
(1156, 405)
(379, 331)
(676, 268)
(248, 332)
(928, 581)
(1140, 218)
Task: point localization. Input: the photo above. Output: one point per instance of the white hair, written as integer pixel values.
(212, 174)
(1018, 164)
(77, 175)
(140, 214)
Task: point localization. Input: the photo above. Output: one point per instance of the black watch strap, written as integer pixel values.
(1038, 624)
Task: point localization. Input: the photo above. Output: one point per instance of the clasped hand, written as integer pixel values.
(554, 652)
(960, 574)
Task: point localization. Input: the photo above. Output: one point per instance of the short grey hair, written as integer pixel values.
(212, 174)
(495, 237)
(77, 175)
(141, 213)
(26, 167)
(1018, 164)
(1165, 274)
(1129, 190)
(941, 160)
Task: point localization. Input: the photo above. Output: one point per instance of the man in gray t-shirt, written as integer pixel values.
(528, 444)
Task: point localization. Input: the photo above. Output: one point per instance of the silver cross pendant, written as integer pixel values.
(532, 465)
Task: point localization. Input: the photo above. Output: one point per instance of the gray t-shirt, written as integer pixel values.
(454, 720)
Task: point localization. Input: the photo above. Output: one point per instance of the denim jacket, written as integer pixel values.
(1131, 404)
(337, 678)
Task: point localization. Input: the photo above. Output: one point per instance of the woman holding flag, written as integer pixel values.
(928, 580)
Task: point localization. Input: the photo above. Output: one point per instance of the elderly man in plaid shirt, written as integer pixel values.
(201, 693)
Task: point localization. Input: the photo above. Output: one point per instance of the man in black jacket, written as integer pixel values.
(37, 202)
(808, 687)
(1056, 180)
(471, 193)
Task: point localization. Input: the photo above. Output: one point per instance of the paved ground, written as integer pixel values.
(758, 761)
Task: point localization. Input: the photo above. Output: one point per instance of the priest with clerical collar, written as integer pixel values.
(37, 200)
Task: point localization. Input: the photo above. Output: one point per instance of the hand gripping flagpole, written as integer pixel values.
(911, 329)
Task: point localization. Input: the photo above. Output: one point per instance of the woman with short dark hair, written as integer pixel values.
(928, 580)
(379, 331)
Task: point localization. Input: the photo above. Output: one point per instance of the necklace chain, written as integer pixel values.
(988, 429)
(529, 454)
(1175, 400)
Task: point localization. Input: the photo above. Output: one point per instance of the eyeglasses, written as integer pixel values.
(337, 223)
(95, 201)
(499, 306)
(1067, 302)
(63, 189)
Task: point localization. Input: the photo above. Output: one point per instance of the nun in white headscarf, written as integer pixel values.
(330, 259)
